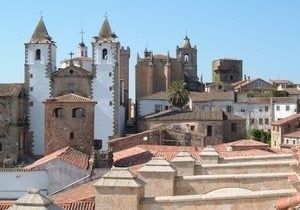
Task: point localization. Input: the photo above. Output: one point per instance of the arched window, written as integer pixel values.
(78, 112)
(59, 112)
(104, 54)
(38, 54)
(186, 58)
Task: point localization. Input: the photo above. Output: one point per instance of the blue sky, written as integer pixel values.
(263, 33)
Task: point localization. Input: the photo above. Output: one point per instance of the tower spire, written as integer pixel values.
(40, 34)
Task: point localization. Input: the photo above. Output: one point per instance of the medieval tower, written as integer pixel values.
(102, 80)
(40, 63)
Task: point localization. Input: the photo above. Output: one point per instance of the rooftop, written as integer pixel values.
(11, 89)
(67, 154)
(286, 120)
(70, 98)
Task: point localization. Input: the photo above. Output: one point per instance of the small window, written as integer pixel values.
(110, 103)
(266, 121)
(209, 130)
(31, 75)
(229, 109)
(260, 109)
(110, 88)
(38, 54)
(260, 121)
(242, 110)
(104, 54)
(30, 103)
(71, 87)
(231, 77)
(277, 108)
(266, 108)
(1, 147)
(294, 141)
(192, 127)
(157, 108)
(287, 108)
(58, 113)
(71, 71)
(72, 135)
(251, 120)
(287, 141)
(186, 58)
(31, 88)
(166, 107)
(78, 113)
(233, 127)
(110, 74)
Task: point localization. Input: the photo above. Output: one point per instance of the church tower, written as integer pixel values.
(40, 63)
(188, 57)
(106, 88)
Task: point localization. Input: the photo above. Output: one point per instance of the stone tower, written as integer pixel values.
(188, 56)
(227, 70)
(40, 63)
(106, 86)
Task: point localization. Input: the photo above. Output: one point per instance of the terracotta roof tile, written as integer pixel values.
(67, 154)
(162, 95)
(5, 204)
(285, 203)
(212, 96)
(286, 119)
(70, 98)
(293, 135)
(247, 143)
(80, 193)
(78, 205)
(12, 89)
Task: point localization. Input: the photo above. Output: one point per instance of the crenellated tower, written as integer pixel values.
(40, 63)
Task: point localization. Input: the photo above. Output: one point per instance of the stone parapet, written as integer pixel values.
(185, 163)
(209, 156)
(118, 189)
(159, 175)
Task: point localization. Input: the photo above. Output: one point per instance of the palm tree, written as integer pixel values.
(177, 94)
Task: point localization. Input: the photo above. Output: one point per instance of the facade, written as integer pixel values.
(102, 78)
(161, 70)
(69, 121)
(13, 135)
(227, 70)
(285, 127)
(215, 126)
(253, 87)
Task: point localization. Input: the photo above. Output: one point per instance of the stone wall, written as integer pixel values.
(147, 137)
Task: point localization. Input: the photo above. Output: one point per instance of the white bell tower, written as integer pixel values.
(40, 63)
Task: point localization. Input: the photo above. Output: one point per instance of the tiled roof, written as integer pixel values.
(40, 34)
(177, 115)
(86, 205)
(247, 143)
(287, 202)
(162, 95)
(242, 98)
(286, 119)
(293, 91)
(67, 154)
(105, 31)
(11, 89)
(5, 204)
(211, 96)
(70, 98)
(83, 192)
(292, 135)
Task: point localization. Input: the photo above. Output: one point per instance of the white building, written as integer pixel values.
(109, 81)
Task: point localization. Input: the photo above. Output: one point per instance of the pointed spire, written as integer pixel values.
(105, 31)
(186, 42)
(40, 34)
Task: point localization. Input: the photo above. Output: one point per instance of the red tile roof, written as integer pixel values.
(80, 193)
(293, 135)
(285, 203)
(90, 205)
(67, 154)
(11, 89)
(5, 204)
(70, 98)
(286, 119)
(247, 143)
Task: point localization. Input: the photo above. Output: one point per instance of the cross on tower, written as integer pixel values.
(81, 32)
(71, 55)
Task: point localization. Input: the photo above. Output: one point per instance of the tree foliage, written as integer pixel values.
(178, 95)
(259, 135)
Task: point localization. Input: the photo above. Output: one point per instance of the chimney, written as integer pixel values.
(248, 78)
(245, 77)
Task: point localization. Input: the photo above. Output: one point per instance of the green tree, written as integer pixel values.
(177, 94)
(259, 135)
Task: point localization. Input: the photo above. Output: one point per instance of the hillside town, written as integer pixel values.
(72, 138)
